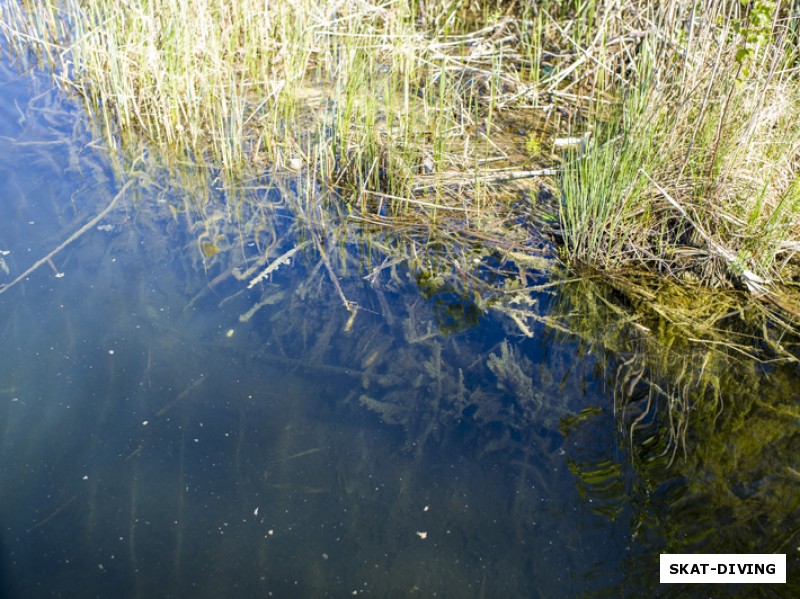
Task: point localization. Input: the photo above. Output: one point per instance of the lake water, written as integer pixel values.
(168, 428)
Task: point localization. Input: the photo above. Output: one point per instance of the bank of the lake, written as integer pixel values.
(666, 132)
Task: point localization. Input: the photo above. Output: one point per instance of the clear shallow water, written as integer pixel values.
(158, 438)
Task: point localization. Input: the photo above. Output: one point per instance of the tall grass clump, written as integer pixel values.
(699, 180)
(606, 212)
(365, 93)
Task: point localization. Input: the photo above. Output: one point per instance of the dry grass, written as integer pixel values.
(370, 95)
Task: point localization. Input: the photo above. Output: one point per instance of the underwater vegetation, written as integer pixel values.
(706, 432)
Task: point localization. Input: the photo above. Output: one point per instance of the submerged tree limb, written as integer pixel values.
(351, 307)
(103, 213)
(284, 258)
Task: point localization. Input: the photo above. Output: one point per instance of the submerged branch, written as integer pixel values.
(48, 258)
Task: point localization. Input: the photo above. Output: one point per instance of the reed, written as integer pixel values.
(248, 85)
(425, 110)
(695, 174)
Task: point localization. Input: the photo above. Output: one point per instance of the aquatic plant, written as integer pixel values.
(706, 421)
(694, 175)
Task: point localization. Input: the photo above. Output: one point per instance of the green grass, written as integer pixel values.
(605, 209)
(694, 175)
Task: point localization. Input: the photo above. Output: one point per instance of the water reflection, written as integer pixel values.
(190, 405)
(145, 448)
(710, 431)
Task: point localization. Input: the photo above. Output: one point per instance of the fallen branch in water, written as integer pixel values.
(284, 258)
(73, 237)
(351, 307)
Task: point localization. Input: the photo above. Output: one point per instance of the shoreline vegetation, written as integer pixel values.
(654, 143)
